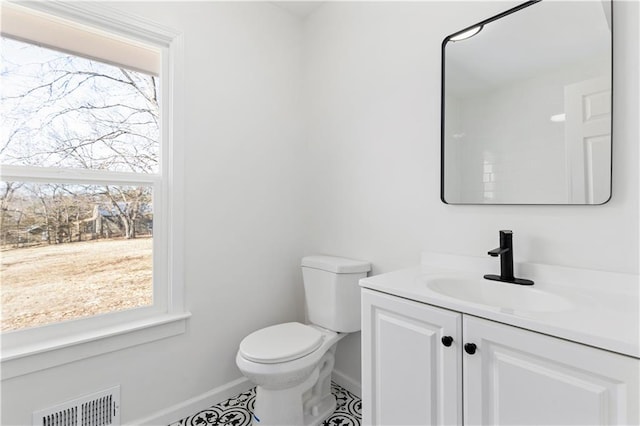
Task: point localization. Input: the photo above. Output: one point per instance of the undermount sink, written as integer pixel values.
(498, 294)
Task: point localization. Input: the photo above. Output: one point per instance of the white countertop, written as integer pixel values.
(604, 307)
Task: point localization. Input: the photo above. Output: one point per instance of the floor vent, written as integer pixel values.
(98, 409)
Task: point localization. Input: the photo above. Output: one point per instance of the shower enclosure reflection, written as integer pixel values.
(526, 107)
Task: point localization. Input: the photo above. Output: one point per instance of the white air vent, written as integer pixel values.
(98, 409)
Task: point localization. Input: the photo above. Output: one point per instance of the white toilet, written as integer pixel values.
(291, 363)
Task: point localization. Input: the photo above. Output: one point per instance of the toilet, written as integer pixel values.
(291, 363)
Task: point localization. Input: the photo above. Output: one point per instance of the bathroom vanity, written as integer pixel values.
(440, 345)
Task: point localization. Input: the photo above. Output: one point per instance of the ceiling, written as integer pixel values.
(301, 9)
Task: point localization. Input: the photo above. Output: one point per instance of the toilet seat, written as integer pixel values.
(280, 343)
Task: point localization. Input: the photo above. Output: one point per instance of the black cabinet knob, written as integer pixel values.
(447, 340)
(470, 348)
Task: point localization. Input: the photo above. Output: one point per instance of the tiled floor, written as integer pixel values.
(237, 411)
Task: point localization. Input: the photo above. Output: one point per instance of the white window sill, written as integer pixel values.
(50, 353)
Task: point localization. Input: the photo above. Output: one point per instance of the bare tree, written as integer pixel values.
(7, 193)
(65, 111)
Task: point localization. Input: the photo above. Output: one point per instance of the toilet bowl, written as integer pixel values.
(292, 374)
(291, 363)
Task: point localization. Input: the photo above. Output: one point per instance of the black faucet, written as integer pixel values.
(505, 251)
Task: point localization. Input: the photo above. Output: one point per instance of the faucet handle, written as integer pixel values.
(497, 251)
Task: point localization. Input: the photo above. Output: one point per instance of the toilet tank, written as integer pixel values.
(332, 292)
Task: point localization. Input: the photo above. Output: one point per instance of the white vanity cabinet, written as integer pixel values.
(409, 376)
(519, 377)
(514, 377)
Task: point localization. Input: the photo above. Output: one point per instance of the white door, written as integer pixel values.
(518, 377)
(409, 377)
(588, 140)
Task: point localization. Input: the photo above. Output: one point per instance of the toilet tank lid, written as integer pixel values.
(338, 265)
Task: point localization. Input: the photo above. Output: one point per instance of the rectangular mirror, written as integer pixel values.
(526, 106)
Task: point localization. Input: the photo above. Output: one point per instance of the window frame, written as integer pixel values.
(28, 350)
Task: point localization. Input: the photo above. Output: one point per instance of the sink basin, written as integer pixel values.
(497, 294)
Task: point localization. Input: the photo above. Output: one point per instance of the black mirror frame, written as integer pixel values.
(481, 24)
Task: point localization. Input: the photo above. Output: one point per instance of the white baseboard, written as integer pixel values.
(196, 404)
(347, 382)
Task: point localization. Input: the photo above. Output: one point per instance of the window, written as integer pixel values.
(89, 231)
(72, 247)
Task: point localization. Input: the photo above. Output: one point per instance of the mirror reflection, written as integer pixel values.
(526, 107)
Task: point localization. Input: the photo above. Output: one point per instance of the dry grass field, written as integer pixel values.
(42, 285)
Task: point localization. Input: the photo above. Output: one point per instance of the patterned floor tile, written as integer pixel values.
(237, 411)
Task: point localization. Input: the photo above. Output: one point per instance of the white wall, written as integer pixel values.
(243, 151)
(372, 83)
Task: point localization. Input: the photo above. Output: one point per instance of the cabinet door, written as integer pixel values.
(409, 377)
(518, 377)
